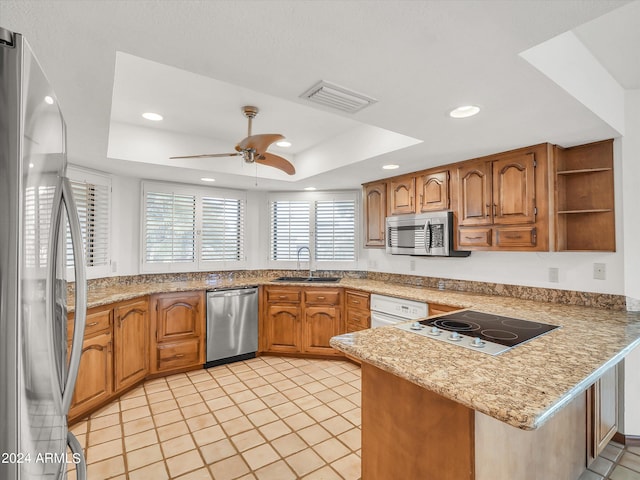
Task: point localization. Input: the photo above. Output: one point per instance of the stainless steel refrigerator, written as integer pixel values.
(37, 215)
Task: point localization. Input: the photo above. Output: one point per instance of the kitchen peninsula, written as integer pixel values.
(516, 415)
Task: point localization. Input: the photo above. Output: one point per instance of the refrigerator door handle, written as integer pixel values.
(80, 316)
(76, 450)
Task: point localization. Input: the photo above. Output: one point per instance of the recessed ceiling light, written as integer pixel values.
(283, 143)
(31, 165)
(464, 111)
(154, 117)
(309, 189)
(391, 166)
(49, 100)
(208, 179)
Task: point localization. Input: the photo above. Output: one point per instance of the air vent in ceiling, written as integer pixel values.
(335, 96)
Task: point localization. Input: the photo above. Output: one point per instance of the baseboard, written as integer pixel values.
(627, 440)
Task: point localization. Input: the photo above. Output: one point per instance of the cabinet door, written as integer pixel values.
(514, 190)
(433, 191)
(283, 328)
(401, 195)
(375, 212)
(439, 309)
(602, 411)
(95, 376)
(474, 193)
(320, 324)
(132, 342)
(178, 315)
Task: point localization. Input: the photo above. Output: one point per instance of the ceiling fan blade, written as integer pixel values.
(259, 143)
(276, 161)
(212, 155)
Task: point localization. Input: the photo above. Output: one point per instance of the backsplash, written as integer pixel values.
(568, 297)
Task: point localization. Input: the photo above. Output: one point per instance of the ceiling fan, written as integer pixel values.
(253, 148)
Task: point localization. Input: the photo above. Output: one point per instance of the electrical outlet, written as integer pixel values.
(600, 271)
(412, 265)
(554, 274)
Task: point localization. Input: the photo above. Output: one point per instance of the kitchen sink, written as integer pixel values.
(307, 279)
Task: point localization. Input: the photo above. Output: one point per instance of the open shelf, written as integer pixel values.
(585, 218)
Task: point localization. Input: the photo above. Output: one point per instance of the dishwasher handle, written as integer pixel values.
(232, 293)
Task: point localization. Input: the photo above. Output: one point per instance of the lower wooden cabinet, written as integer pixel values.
(356, 311)
(299, 320)
(177, 331)
(131, 333)
(602, 413)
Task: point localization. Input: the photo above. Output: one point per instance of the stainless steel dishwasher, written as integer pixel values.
(232, 325)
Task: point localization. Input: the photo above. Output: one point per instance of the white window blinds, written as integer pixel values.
(328, 226)
(170, 234)
(92, 202)
(335, 230)
(290, 221)
(222, 229)
(37, 223)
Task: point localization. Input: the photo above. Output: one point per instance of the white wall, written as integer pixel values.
(631, 193)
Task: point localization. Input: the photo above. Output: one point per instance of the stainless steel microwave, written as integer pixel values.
(429, 234)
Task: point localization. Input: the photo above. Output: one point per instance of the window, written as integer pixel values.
(37, 223)
(92, 201)
(326, 223)
(187, 228)
(222, 229)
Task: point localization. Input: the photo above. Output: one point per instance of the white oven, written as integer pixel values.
(392, 310)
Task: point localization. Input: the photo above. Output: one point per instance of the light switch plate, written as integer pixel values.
(554, 274)
(600, 271)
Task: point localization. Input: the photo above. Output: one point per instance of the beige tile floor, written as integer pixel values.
(616, 462)
(265, 418)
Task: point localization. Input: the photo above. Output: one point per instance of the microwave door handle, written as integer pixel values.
(427, 236)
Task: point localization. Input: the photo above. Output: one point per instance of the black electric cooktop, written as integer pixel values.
(489, 328)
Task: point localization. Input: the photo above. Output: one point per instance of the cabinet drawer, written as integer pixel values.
(354, 327)
(358, 300)
(282, 295)
(516, 236)
(98, 319)
(358, 317)
(178, 354)
(474, 237)
(322, 297)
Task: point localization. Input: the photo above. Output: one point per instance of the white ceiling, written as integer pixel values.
(198, 62)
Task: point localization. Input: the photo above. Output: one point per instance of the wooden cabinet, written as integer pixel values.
(356, 311)
(375, 212)
(439, 309)
(402, 195)
(502, 201)
(299, 320)
(94, 385)
(585, 218)
(177, 331)
(131, 334)
(433, 191)
(602, 413)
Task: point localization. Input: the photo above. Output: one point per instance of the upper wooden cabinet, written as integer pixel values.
(433, 191)
(375, 212)
(585, 218)
(402, 192)
(502, 201)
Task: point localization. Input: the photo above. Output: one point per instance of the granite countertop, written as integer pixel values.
(523, 387)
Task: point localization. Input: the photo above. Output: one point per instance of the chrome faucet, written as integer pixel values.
(309, 251)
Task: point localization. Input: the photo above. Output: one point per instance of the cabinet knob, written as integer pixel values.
(179, 355)
(321, 298)
(92, 324)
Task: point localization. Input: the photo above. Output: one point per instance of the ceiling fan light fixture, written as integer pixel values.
(464, 111)
(154, 117)
(334, 96)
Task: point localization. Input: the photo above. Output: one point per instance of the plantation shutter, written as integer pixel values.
(222, 229)
(335, 230)
(37, 223)
(92, 202)
(289, 229)
(170, 234)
